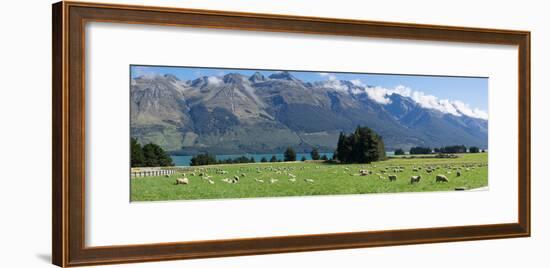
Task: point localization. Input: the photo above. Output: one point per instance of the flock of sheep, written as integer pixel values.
(442, 173)
(204, 173)
(426, 170)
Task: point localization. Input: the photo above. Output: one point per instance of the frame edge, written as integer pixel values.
(61, 237)
(58, 214)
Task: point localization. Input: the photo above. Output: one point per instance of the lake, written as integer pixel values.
(185, 160)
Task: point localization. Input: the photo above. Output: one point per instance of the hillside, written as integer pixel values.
(234, 114)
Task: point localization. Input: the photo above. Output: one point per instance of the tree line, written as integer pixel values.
(363, 145)
(149, 155)
(453, 149)
(288, 156)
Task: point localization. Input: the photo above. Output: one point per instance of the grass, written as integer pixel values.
(328, 179)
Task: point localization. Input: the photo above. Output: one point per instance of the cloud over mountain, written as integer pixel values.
(454, 107)
(236, 113)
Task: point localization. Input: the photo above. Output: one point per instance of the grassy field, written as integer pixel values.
(273, 179)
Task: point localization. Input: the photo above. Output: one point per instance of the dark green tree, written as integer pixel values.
(399, 152)
(136, 155)
(454, 149)
(263, 160)
(290, 154)
(315, 154)
(303, 158)
(155, 156)
(324, 157)
(474, 149)
(273, 159)
(420, 150)
(362, 146)
(204, 159)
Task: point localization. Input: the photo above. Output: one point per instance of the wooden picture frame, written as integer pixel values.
(68, 220)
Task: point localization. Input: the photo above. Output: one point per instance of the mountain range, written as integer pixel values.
(234, 114)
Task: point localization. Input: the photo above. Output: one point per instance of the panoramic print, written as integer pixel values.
(216, 133)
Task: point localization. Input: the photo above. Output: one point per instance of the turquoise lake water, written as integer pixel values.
(185, 160)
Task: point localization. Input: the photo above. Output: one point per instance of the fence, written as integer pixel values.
(156, 172)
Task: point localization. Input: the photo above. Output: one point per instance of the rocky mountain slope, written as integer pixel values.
(234, 114)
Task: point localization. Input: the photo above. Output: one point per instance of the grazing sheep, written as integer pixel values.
(363, 172)
(415, 169)
(292, 179)
(258, 180)
(309, 180)
(182, 181)
(167, 176)
(236, 178)
(441, 178)
(291, 175)
(210, 181)
(243, 175)
(392, 177)
(458, 173)
(381, 177)
(273, 180)
(415, 179)
(429, 170)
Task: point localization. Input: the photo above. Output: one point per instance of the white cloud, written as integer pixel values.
(357, 82)
(214, 80)
(466, 110)
(330, 77)
(378, 94)
(381, 94)
(336, 84)
(402, 90)
(454, 107)
(144, 72)
(333, 82)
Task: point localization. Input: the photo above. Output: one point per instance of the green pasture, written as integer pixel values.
(313, 178)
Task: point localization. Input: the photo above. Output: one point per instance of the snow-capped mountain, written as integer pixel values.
(257, 114)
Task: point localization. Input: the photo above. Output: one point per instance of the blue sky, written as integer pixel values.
(472, 91)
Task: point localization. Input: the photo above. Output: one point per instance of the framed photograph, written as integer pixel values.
(182, 133)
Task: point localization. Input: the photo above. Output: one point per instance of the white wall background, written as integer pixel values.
(25, 133)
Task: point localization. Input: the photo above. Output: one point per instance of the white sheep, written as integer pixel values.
(182, 181)
(415, 179)
(441, 178)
